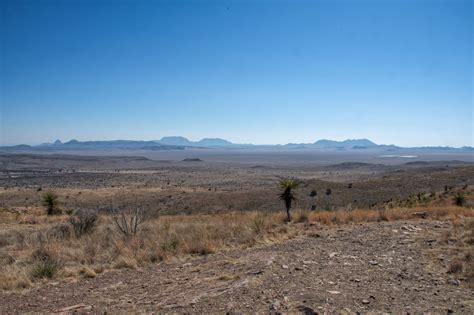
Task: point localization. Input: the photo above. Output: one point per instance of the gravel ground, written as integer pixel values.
(374, 267)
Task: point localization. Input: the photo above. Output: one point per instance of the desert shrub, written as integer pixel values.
(128, 221)
(313, 193)
(382, 215)
(301, 216)
(61, 232)
(199, 247)
(83, 222)
(459, 200)
(50, 202)
(257, 224)
(14, 282)
(46, 264)
(328, 192)
(349, 185)
(170, 243)
(44, 269)
(87, 272)
(125, 263)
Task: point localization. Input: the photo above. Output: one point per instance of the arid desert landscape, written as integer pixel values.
(207, 233)
(236, 157)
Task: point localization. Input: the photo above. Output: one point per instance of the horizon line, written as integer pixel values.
(238, 143)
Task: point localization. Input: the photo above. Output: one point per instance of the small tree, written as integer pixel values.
(459, 199)
(50, 201)
(287, 195)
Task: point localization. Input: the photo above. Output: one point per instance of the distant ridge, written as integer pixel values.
(347, 144)
(206, 142)
(94, 145)
(182, 143)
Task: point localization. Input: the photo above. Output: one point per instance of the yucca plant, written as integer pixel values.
(287, 194)
(459, 199)
(50, 202)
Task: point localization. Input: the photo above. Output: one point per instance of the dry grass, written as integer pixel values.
(31, 252)
(393, 214)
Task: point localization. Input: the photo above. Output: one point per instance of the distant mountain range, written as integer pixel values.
(181, 143)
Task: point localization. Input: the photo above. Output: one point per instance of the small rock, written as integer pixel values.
(255, 272)
(275, 305)
(298, 268)
(346, 310)
(364, 301)
(373, 263)
(73, 307)
(331, 255)
(454, 282)
(284, 266)
(306, 310)
(334, 292)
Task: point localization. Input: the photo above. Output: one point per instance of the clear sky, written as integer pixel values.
(259, 72)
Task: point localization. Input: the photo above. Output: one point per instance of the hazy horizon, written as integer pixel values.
(277, 72)
(241, 143)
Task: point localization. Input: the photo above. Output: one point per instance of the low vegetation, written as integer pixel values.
(85, 243)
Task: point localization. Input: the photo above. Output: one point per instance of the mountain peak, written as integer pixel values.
(348, 143)
(214, 142)
(175, 140)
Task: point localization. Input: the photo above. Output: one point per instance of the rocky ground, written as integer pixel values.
(398, 267)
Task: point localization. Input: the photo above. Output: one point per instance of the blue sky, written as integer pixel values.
(249, 71)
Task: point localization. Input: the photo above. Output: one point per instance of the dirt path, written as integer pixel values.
(377, 267)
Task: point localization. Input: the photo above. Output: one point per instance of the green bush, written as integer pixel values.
(45, 269)
(46, 264)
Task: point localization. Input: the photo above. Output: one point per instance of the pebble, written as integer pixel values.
(364, 301)
(454, 282)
